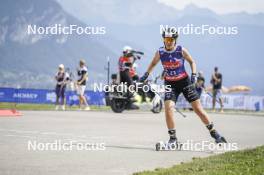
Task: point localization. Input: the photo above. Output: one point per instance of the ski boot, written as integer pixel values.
(214, 134)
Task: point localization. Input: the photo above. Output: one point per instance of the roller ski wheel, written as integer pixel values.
(157, 146)
(166, 146)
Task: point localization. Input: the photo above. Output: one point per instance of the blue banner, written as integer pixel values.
(44, 96)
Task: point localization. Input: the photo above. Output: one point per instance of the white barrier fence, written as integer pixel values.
(241, 102)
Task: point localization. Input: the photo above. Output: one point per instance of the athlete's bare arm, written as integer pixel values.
(154, 62)
(190, 60)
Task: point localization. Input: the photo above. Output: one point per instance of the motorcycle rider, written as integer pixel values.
(125, 65)
(172, 57)
(133, 72)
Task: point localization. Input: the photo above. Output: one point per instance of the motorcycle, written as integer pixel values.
(124, 100)
(120, 100)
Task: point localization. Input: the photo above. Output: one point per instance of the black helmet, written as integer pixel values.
(170, 32)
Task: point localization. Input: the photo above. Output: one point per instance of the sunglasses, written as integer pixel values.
(169, 39)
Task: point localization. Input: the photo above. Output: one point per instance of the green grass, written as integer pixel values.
(43, 107)
(246, 162)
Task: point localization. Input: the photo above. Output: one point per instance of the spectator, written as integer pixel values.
(216, 82)
(81, 85)
(62, 78)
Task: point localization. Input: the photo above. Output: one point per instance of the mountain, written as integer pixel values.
(137, 12)
(31, 60)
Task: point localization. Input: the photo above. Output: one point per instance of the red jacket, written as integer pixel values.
(122, 61)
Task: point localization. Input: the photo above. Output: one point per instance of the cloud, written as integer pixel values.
(220, 6)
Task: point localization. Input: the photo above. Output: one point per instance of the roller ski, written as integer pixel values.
(171, 145)
(168, 146)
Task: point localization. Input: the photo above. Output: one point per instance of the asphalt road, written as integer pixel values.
(52, 142)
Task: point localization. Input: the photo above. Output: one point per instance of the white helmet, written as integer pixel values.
(127, 51)
(61, 66)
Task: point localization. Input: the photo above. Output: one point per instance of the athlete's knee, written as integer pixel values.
(196, 104)
(169, 107)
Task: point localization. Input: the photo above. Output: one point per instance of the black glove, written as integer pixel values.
(128, 64)
(144, 77)
(193, 78)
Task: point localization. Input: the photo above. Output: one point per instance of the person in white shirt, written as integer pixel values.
(81, 85)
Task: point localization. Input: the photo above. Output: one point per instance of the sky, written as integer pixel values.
(221, 6)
